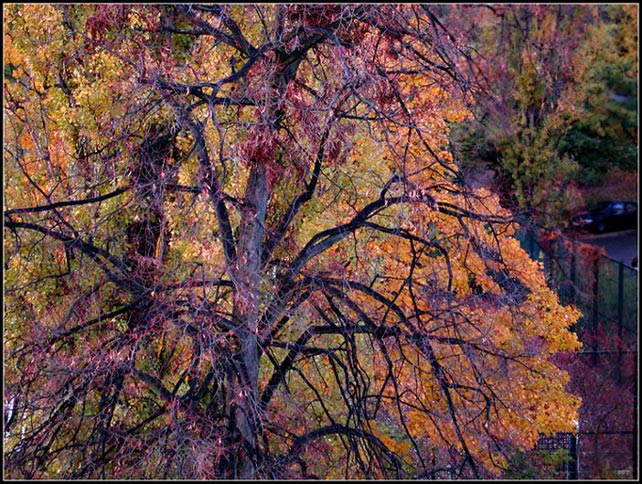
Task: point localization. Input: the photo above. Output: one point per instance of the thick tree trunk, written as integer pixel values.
(247, 280)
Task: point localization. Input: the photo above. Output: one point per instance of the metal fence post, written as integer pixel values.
(635, 419)
(620, 318)
(596, 304)
(574, 459)
(573, 271)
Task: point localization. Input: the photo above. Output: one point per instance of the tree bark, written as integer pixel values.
(247, 280)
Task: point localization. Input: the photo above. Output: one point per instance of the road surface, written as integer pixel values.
(621, 246)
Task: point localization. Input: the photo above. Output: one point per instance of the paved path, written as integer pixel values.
(621, 246)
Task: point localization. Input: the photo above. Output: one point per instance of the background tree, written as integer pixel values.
(558, 106)
(606, 137)
(236, 245)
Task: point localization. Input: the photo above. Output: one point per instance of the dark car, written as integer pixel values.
(608, 216)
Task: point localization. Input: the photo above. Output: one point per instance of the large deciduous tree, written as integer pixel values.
(236, 245)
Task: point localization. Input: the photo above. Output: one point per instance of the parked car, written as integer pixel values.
(608, 216)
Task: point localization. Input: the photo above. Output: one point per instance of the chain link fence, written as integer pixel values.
(605, 373)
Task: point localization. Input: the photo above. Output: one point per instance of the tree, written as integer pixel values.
(606, 137)
(557, 104)
(237, 246)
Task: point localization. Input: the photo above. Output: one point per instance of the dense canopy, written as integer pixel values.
(237, 246)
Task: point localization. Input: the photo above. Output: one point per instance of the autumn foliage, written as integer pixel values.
(237, 246)
(556, 109)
